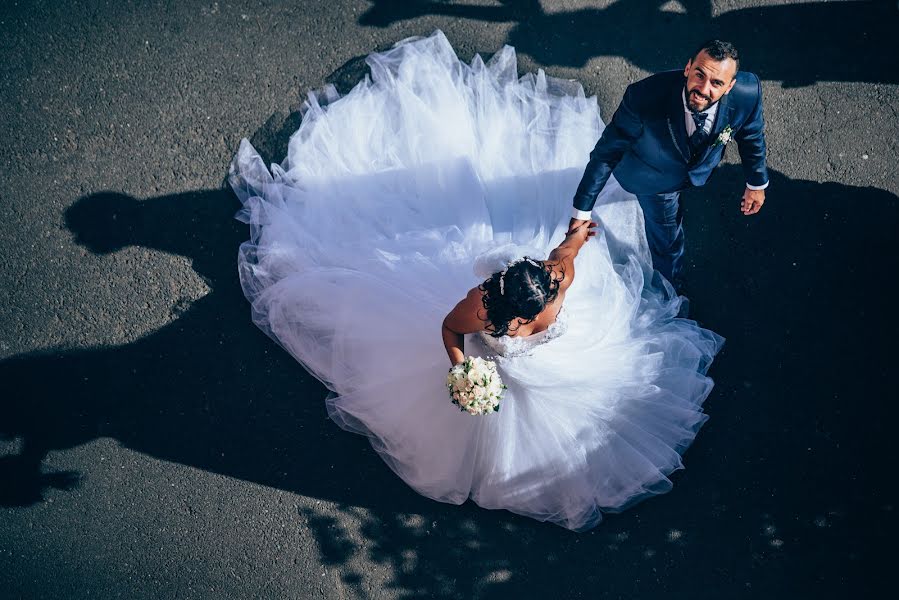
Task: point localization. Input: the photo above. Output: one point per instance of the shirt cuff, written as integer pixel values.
(758, 187)
(583, 215)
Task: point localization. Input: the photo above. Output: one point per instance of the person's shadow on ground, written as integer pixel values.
(792, 459)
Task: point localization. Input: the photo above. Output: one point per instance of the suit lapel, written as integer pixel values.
(676, 126)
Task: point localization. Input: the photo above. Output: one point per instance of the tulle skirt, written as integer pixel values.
(367, 235)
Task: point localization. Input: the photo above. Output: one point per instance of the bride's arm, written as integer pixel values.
(461, 320)
(566, 252)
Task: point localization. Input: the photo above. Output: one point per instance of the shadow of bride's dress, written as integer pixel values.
(366, 236)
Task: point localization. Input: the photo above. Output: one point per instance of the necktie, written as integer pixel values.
(699, 136)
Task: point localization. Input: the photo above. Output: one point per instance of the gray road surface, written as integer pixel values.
(154, 444)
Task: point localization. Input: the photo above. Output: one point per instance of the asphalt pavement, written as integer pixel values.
(155, 444)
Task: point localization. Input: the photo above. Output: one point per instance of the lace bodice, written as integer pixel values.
(510, 346)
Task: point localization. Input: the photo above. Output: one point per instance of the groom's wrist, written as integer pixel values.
(581, 215)
(757, 187)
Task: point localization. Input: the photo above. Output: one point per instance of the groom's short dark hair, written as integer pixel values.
(718, 50)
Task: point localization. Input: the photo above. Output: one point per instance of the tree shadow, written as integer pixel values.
(850, 41)
(784, 488)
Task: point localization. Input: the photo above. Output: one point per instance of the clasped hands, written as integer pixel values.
(576, 227)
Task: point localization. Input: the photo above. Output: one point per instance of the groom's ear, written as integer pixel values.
(731, 86)
(687, 68)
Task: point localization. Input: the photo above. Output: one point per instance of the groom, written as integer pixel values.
(668, 133)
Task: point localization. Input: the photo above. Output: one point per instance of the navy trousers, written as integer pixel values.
(665, 233)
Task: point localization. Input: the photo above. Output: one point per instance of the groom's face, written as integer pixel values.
(707, 80)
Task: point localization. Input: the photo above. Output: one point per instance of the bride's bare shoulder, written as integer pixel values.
(469, 315)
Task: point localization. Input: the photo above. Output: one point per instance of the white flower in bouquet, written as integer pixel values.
(475, 386)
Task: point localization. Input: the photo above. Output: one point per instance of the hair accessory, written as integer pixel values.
(502, 277)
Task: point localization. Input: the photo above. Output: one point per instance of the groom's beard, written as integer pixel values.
(695, 96)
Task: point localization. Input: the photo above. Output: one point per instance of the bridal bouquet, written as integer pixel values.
(475, 386)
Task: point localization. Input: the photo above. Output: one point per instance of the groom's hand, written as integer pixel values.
(752, 201)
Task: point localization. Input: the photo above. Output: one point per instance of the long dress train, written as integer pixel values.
(396, 199)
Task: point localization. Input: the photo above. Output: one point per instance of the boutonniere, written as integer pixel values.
(724, 136)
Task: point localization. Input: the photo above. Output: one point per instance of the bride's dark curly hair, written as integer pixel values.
(521, 291)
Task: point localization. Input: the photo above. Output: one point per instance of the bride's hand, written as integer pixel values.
(582, 230)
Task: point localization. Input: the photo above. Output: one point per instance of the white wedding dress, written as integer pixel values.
(398, 198)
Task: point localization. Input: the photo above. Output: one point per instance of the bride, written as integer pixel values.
(434, 180)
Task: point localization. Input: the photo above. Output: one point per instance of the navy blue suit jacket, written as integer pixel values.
(645, 145)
